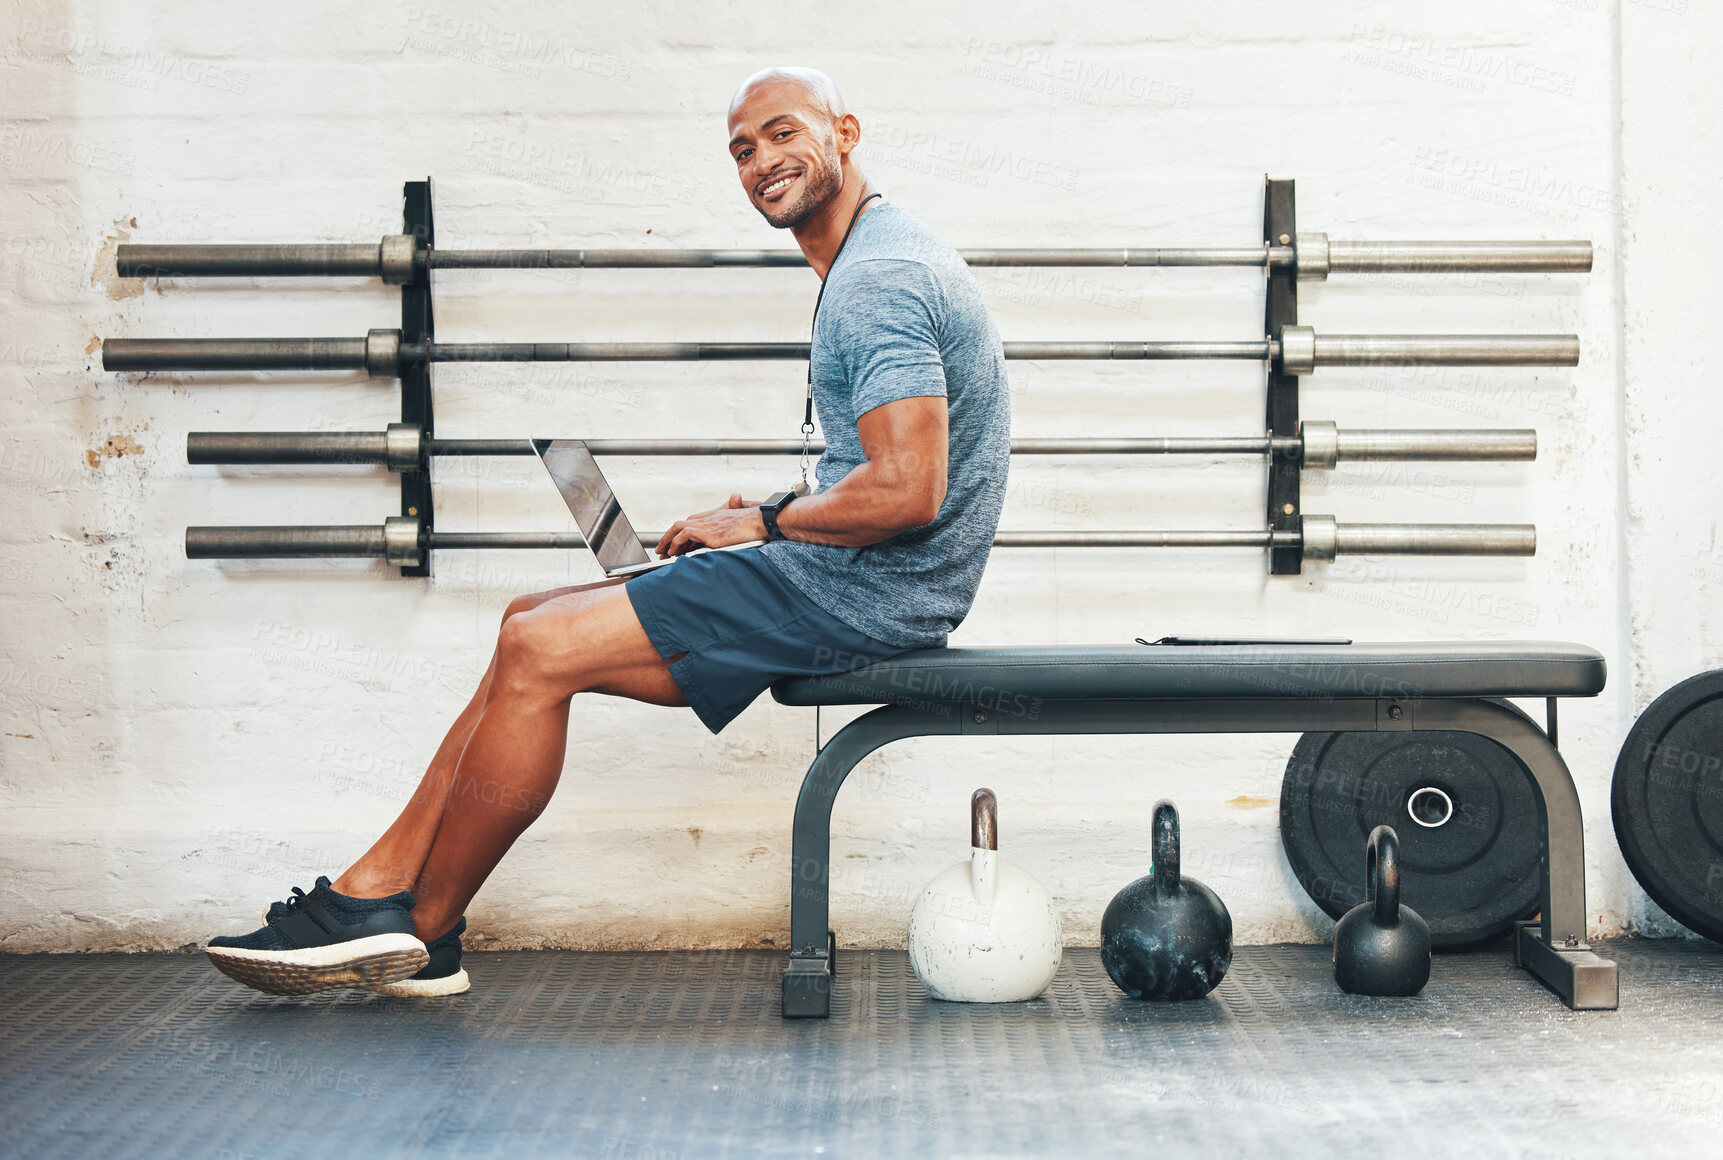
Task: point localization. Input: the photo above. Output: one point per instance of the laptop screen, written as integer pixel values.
(588, 496)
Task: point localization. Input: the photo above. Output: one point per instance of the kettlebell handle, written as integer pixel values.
(1382, 874)
(1164, 852)
(984, 820)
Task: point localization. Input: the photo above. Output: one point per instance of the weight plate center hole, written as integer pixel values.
(1430, 807)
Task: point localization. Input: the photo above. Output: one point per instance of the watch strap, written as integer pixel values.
(769, 514)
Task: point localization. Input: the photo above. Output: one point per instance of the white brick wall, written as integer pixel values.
(184, 741)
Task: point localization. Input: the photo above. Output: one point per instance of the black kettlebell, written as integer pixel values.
(1381, 947)
(1164, 937)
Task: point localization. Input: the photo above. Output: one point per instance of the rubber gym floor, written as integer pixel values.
(660, 1055)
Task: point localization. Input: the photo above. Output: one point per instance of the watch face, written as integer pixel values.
(778, 500)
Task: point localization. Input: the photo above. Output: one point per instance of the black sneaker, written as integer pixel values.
(444, 974)
(323, 940)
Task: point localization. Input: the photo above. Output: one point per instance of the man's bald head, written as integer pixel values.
(819, 92)
(791, 139)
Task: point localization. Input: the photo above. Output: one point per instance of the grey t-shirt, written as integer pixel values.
(903, 317)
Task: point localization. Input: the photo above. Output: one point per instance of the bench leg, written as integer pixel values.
(1552, 947)
(807, 982)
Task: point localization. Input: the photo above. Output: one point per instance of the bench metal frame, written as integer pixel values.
(1552, 947)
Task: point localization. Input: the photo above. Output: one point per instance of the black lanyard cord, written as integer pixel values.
(808, 412)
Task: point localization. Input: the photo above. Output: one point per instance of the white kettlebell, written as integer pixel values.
(985, 931)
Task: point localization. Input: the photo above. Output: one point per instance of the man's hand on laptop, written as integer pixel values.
(737, 522)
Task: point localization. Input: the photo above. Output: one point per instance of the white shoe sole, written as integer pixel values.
(362, 962)
(453, 984)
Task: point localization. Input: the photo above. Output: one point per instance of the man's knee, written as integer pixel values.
(533, 650)
(522, 604)
(521, 643)
(532, 600)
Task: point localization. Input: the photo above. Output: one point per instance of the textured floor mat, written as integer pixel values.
(671, 1055)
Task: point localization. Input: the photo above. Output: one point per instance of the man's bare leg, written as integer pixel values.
(395, 862)
(499, 764)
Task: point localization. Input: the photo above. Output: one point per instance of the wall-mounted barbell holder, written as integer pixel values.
(406, 542)
(1319, 444)
(401, 259)
(1286, 256)
(1298, 350)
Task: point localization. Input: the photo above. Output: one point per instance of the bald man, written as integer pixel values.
(907, 375)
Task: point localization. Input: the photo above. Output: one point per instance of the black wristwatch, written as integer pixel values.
(769, 513)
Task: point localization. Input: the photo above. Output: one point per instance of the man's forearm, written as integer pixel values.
(868, 505)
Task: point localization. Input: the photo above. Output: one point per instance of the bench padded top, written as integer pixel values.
(1190, 672)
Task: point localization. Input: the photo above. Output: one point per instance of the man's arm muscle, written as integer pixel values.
(899, 487)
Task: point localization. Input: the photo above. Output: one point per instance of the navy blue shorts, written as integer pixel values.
(742, 626)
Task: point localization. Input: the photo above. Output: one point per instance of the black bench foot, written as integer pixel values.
(1584, 981)
(808, 983)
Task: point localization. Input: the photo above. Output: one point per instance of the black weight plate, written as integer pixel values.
(1667, 802)
(1471, 877)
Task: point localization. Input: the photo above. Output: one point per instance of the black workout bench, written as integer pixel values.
(1245, 688)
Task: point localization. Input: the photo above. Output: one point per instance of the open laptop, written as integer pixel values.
(596, 511)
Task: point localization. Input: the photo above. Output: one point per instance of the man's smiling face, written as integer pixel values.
(784, 143)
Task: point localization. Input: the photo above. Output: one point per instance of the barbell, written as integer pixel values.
(403, 540)
(399, 259)
(1319, 444)
(381, 353)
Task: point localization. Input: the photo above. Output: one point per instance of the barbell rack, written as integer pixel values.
(1289, 351)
